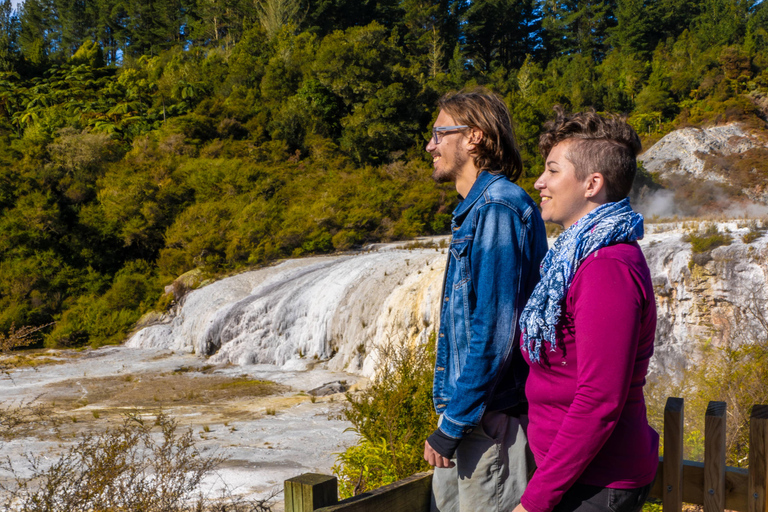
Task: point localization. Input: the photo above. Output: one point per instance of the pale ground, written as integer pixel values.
(266, 434)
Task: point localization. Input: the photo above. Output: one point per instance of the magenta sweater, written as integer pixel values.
(587, 411)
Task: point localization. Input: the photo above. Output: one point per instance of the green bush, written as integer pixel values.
(753, 234)
(707, 239)
(105, 317)
(393, 416)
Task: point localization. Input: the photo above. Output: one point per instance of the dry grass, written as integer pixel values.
(156, 391)
(31, 359)
(27, 418)
(424, 244)
(15, 339)
(134, 466)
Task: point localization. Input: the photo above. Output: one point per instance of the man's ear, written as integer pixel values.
(475, 136)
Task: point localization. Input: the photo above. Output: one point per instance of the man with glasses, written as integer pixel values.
(479, 449)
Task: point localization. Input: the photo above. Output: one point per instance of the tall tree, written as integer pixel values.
(109, 27)
(325, 16)
(672, 17)
(9, 37)
(429, 27)
(155, 25)
(76, 23)
(722, 22)
(636, 30)
(276, 14)
(221, 22)
(502, 32)
(38, 36)
(572, 27)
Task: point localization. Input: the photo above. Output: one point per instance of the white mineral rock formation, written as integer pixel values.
(340, 308)
(343, 308)
(683, 151)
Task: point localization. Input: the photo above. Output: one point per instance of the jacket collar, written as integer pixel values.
(483, 181)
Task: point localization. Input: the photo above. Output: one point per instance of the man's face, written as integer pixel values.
(451, 155)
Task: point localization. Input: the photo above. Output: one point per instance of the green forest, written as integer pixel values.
(140, 140)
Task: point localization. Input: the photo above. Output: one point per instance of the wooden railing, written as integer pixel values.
(711, 483)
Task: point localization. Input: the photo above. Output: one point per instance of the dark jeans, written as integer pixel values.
(589, 498)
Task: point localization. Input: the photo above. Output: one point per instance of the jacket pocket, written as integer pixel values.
(460, 254)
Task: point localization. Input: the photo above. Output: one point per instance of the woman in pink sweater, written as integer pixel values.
(588, 328)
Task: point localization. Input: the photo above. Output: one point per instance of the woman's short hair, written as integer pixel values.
(497, 152)
(603, 144)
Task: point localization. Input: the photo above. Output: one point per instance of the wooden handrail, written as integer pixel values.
(710, 483)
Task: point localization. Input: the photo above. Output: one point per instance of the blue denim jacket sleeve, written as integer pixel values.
(495, 279)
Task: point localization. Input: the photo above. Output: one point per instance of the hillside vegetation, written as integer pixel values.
(141, 140)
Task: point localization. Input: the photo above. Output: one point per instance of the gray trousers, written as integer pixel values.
(492, 468)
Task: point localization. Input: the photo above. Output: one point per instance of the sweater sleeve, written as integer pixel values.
(608, 304)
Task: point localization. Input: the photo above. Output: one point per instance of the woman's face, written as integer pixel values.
(564, 198)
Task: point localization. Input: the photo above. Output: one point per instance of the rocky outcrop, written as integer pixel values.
(684, 151)
(716, 296)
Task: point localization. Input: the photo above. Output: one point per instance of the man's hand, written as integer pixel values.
(435, 459)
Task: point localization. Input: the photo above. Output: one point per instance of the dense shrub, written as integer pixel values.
(393, 416)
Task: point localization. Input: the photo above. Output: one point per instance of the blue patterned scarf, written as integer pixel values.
(607, 224)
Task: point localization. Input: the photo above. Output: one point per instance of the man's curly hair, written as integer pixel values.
(602, 144)
(497, 152)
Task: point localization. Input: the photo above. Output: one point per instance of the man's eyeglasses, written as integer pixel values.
(439, 131)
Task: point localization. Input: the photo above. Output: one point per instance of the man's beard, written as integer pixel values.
(445, 176)
(451, 174)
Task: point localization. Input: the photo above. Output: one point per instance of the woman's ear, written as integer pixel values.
(596, 188)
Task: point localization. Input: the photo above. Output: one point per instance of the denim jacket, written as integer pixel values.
(497, 246)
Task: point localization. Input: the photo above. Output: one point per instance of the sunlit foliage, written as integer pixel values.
(139, 141)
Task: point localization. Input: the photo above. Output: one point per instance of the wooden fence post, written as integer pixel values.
(758, 460)
(673, 455)
(310, 491)
(714, 457)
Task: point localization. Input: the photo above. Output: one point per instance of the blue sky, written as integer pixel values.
(16, 3)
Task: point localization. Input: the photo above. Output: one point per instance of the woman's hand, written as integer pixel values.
(520, 508)
(435, 459)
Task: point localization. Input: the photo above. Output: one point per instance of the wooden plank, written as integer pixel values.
(310, 491)
(411, 494)
(672, 499)
(758, 459)
(714, 457)
(693, 483)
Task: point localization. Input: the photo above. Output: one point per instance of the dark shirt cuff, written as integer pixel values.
(443, 443)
